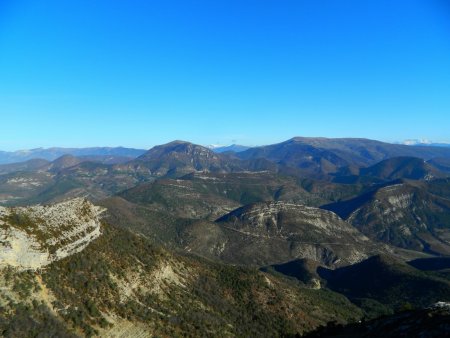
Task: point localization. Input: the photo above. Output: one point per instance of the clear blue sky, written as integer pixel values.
(140, 73)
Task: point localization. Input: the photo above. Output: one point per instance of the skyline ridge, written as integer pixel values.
(212, 145)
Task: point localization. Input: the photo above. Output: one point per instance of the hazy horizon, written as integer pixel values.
(212, 144)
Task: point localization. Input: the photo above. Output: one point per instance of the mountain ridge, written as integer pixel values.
(322, 154)
(50, 154)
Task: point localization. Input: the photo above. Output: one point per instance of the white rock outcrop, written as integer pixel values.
(32, 237)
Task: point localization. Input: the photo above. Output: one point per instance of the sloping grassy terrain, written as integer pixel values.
(122, 278)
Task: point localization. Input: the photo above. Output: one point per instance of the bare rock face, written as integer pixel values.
(32, 237)
(275, 232)
(406, 216)
(288, 219)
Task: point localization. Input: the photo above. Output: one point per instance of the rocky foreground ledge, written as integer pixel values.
(32, 237)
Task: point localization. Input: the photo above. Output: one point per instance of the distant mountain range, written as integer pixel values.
(232, 148)
(351, 163)
(308, 157)
(308, 153)
(318, 157)
(51, 154)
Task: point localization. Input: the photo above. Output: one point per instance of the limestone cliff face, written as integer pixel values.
(406, 216)
(32, 237)
(273, 232)
(285, 219)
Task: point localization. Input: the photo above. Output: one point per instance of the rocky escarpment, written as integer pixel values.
(35, 236)
(286, 219)
(276, 232)
(312, 233)
(407, 216)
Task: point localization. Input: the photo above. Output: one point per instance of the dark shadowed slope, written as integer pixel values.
(388, 281)
(394, 168)
(430, 323)
(402, 167)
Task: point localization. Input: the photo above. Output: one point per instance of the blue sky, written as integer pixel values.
(140, 73)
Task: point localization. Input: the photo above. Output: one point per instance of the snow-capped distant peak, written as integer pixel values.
(221, 148)
(214, 146)
(425, 142)
(413, 142)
